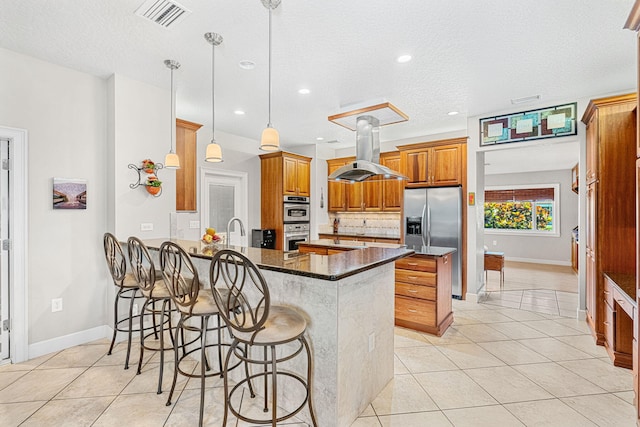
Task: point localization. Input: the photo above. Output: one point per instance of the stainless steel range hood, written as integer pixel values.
(367, 164)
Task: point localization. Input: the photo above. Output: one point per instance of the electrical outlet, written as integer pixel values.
(146, 226)
(495, 242)
(56, 305)
(372, 341)
(194, 224)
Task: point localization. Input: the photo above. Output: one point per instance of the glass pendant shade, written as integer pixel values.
(270, 139)
(213, 153)
(171, 161)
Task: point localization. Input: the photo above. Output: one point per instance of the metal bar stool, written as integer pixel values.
(181, 278)
(127, 289)
(155, 291)
(242, 296)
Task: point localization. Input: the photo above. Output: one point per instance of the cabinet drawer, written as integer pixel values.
(304, 249)
(419, 264)
(608, 325)
(414, 310)
(608, 292)
(623, 302)
(416, 277)
(416, 291)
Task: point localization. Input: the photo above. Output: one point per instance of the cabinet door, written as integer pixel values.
(303, 174)
(417, 166)
(592, 148)
(186, 147)
(591, 277)
(372, 194)
(290, 176)
(355, 199)
(336, 193)
(392, 190)
(445, 167)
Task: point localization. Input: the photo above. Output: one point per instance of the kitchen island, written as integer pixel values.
(345, 300)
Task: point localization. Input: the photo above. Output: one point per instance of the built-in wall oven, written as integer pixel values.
(296, 209)
(294, 234)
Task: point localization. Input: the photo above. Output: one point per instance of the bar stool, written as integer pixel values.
(127, 289)
(181, 278)
(155, 291)
(242, 296)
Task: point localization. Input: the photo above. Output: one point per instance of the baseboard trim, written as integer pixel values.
(66, 341)
(539, 261)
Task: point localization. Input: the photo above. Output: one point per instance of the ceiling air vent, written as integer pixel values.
(163, 12)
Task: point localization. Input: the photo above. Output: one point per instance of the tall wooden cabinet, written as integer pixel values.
(610, 217)
(282, 174)
(186, 178)
(433, 164)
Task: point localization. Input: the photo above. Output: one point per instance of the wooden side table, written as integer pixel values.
(494, 261)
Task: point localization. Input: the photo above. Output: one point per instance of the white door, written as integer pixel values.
(4, 253)
(224, 196)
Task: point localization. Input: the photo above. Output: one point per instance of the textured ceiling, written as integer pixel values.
(469, 56)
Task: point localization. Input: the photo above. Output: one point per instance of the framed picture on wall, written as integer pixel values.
(69, 193)
(542, 123)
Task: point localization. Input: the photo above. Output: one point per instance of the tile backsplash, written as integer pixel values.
(385, 223)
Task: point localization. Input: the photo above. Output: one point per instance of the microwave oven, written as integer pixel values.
(296, 209)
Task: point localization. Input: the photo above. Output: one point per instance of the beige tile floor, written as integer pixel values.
(495, 366)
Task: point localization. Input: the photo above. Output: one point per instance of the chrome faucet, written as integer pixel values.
(242, 233)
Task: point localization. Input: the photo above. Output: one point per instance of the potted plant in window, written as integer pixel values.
(153, 185)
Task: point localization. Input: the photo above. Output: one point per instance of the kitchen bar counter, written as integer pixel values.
(335, 267)
(347, 243)
(346, 300)
(346, 236)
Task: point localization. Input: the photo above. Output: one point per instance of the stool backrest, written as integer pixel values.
(141, 263)
(116, 261)
(180, 275)
(240, 291)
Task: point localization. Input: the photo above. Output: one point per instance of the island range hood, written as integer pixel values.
(367, 126)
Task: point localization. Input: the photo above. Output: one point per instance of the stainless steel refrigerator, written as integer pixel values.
(433, 218)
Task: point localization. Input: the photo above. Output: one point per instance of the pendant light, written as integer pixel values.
(270, 140)
(171, 160)
(214, 152)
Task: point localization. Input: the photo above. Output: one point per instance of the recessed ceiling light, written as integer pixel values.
(452, 113)
(245, 64)
(304, 91)
(239, 112)
(319, 138)
(404, 58)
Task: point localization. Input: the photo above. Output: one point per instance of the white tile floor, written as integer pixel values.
(497, 365)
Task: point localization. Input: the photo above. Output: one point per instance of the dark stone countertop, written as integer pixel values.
(626, 283)
(325, 267)
(346, 243)
(433, 250)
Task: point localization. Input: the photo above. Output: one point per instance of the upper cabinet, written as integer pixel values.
(366, 196)
(288, 174)
(296, 175)
(186, 148)
(433, 164)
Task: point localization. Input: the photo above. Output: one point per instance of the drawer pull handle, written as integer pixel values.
(606, 323)
(412, 263)
(412, 277)
(607, 292)
(413, 291)
(413, 311)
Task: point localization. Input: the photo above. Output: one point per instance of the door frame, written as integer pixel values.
(243, 200)
(18, 233)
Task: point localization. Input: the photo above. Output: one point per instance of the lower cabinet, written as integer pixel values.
(423, 293)
(619, 312)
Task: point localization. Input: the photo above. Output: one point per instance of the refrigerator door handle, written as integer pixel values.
(422, 225)
(429, 226)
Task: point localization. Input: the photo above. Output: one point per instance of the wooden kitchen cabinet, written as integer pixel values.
(296, 175)
(392, 189)
(368, 195)
(610, 218)
(281, 174)
(423, 293)
(434, 164)
(186, 178)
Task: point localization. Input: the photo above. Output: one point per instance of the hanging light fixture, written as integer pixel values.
(270, 139)
(171, 160)
(214, 152)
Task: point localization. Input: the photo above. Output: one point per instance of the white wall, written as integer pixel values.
(64, 112)
(543, 249)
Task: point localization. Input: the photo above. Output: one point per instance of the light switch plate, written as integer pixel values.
(194, 224)
(146, 226)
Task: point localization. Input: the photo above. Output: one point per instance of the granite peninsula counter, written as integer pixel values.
(347, 301)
